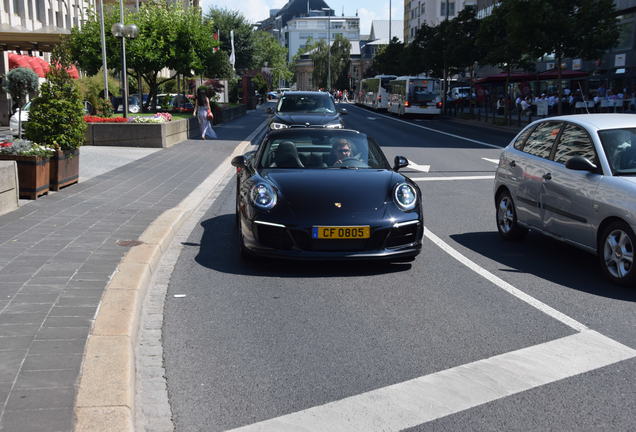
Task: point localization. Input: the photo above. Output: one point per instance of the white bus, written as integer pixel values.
(415, 95)
(374, 92)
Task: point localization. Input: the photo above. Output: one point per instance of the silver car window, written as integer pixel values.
(620, 149)
(541, 140)
(574, 141)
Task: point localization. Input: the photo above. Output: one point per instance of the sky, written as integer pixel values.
(368, 10)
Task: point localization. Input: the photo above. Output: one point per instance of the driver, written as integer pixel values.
(340, 151)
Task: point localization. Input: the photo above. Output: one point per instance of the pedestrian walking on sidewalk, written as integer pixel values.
(204, 114)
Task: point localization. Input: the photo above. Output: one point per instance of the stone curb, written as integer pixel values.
(106, 391)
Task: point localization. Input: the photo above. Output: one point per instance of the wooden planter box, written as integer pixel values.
(64, 168)
(33, 175)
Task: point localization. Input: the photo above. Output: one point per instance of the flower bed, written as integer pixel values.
(33, 166)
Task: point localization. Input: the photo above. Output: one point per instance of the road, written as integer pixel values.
(475, 334)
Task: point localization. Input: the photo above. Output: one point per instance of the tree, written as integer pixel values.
(572, 29)
(226, 20)
(170, 36)
(389, 59)
(340, 62)
(56, 117)
(19, 83)
(428, 46)
(506, 38)
(461, 35)
(319, 57)
(269, 53)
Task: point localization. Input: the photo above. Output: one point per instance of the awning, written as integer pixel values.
(36, 64)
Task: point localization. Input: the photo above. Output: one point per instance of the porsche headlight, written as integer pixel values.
(405, 196)
(263, 196)
(276, 126)
(333, 126)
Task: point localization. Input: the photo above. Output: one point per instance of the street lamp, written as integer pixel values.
(328, 10)
(121, 31)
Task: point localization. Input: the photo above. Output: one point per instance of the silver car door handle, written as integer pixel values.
(547, 176)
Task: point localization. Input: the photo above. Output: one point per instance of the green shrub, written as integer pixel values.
(56, 117)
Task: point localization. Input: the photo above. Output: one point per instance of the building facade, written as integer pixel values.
(300, 31)
(429, 12)
(33, 28)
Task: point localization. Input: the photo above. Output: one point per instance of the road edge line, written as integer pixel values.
(105, 395)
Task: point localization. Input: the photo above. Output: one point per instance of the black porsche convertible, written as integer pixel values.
(326, 194)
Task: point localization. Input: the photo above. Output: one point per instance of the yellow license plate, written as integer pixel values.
(341, 232)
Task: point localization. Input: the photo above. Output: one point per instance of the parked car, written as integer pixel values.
(134, 105)
(24, 115)
(298, 198)
(574, 178)
(13, 121)
(306, 109)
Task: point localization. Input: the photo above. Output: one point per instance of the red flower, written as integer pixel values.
(6, 144)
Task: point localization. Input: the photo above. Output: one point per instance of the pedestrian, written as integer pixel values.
(203, 112)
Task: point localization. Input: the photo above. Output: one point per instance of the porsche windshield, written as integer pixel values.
(309, 103)
(317, 149)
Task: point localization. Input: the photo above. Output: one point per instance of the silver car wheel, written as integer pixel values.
(618, 253)
(505, 214)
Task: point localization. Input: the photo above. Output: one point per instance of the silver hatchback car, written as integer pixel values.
(574, 178)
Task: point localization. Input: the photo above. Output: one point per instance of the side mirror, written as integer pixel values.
(270, 110)
(400, 162)
(343, 111)
(239, 162)
(579, 163)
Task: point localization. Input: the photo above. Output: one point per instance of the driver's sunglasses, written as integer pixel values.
(344, 150)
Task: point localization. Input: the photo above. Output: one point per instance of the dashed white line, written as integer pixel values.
(429, 397)
(495, 161)
(488, 177)
(423, 168)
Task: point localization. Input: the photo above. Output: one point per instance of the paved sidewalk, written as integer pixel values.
(57, 255)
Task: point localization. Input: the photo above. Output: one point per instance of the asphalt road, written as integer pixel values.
(252, 342)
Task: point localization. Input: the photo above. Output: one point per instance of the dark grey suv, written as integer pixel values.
(306, 109)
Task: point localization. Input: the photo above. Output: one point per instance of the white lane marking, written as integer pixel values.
(439, 131)
(495, 161)
(548, 310)
(423, 168)
(488, 177)
(429, 397)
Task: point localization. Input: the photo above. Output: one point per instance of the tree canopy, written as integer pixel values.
(269, 53)
(224, 21)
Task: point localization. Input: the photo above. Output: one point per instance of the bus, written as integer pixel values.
(415, 95)
(373, 92)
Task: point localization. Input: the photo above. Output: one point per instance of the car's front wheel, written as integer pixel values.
(507, 223)
(616, 253)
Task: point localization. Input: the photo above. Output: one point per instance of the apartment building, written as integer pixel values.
(299, 31)
(430, 12)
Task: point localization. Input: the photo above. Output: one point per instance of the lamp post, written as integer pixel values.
(121, 31)
(328, 10)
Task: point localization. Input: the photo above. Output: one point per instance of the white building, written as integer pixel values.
(299, 31)
(33, 28)
(430, 12)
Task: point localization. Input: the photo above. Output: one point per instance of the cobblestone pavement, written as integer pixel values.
(56, 256)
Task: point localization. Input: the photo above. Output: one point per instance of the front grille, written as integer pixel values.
(273, 237)
(402, 236)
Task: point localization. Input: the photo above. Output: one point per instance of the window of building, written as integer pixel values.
(422, 9)
(451, 8)
(304, 35)
(626, 32)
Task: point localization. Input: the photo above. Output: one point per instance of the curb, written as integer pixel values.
(106, 391)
